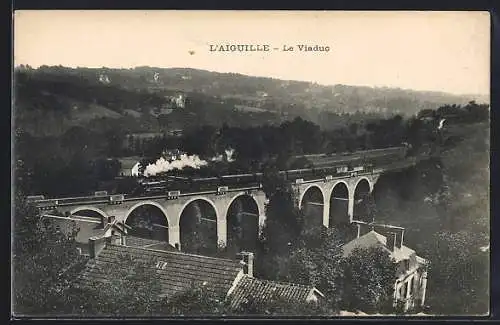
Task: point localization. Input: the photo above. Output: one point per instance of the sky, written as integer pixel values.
(439, 51)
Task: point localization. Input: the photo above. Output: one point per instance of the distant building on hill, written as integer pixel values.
(129, 166)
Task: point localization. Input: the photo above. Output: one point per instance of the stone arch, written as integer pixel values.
(312, 203)
(156, 204)
(153, 227)
(201, 198)
(370, 184)
(249, 195)
(198, 232)
(346, 184)
(242, 220)
(339, 204)
(362, 191)
(89, 208)
(301, 198)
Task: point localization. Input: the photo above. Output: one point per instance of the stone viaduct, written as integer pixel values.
(171, 205)
(327, 192)
(342, 193)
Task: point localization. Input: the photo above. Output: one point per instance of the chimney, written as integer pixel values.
(92, 247)
(392, 241)
(123, 239)
(247, 261)
(399, 242)
(96, 245)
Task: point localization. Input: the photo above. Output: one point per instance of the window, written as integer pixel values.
(404, 287)
(161, 265)
(410, 287)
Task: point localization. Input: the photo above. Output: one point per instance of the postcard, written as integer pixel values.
(182, 164)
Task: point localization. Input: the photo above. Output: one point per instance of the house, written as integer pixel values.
(178, 271)
(411, 282)
(129, 166)
(87, 226)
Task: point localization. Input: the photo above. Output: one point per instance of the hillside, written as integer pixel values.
(450, 191)
(182, 97)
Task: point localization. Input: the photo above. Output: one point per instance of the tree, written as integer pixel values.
(114, 139)
(106, 169)
(284, 223)
(316, 261)
(458, 275)
(367, 281)
(45, 262)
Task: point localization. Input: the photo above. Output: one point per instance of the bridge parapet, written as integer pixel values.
(41, 202)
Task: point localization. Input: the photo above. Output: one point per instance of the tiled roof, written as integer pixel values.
(179, 273)
(374, 239)
(370, 239)
(402, 253)
(148, 243)
(264, 291)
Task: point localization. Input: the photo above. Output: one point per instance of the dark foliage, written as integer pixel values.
(45, 263)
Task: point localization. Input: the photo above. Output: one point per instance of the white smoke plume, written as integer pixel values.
(217, 158)
(164, 165)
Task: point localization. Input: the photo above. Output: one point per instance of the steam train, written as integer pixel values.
(318, 166)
